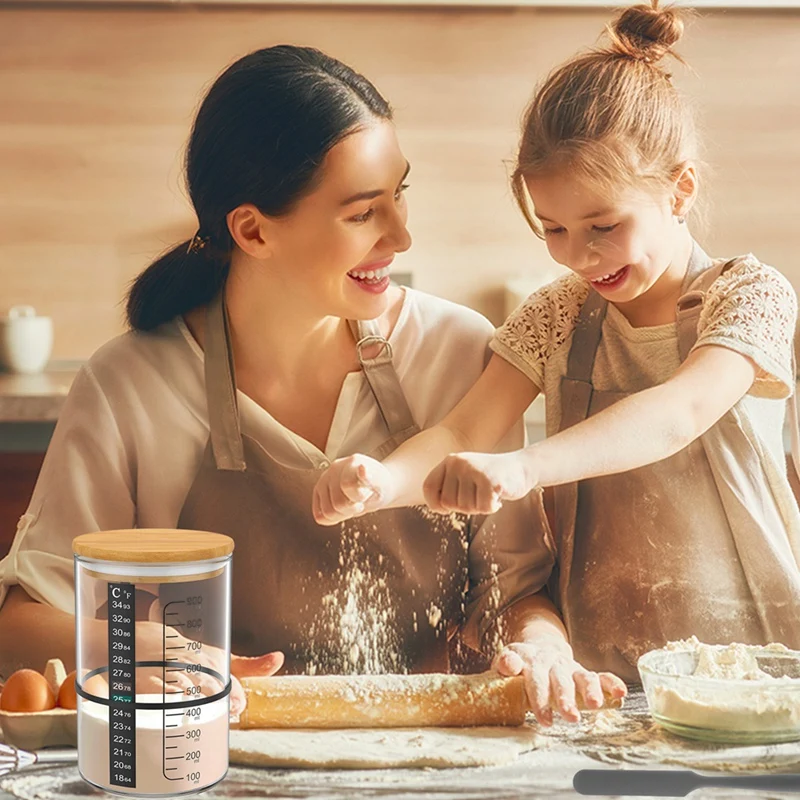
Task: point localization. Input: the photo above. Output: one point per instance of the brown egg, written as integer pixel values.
(67, 697)
(27, 690)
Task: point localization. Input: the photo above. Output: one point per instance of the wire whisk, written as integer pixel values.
(13, 759)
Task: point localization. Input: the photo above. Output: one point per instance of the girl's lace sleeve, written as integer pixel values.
(540, 326)
(752, 308)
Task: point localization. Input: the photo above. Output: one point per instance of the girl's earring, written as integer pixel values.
(681, 219)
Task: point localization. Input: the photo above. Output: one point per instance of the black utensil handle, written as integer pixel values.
(769, 783)
(674, 783)
(636, 782)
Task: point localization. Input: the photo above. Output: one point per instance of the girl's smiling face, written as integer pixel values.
(622, 244)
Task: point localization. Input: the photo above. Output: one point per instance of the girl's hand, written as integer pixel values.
(350, 487)
(553, 678)
(476, 483)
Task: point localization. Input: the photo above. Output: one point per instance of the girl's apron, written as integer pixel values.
(695, 544)
(377, 594)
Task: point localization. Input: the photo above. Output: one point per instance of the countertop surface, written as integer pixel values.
(626, 739)
(36, 398)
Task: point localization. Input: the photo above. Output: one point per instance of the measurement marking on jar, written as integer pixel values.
(173, 621)
(121, 708)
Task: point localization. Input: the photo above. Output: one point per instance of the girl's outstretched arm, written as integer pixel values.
(641, 429)
(357, 484)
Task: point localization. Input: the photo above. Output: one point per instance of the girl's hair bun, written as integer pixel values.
(646, 32)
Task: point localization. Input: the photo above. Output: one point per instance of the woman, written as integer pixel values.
(298, 183)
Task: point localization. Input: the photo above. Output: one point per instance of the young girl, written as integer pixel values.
(663, 372)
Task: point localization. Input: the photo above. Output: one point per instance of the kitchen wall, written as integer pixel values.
(96, 104)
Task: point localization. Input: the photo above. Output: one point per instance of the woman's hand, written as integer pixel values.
(477, 483)
(250, 667)
(350, 487)
(241, 667)
(554, 680)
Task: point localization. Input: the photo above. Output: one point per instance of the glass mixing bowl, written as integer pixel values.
(759, 709)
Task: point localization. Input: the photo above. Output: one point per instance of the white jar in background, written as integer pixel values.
(26, 340)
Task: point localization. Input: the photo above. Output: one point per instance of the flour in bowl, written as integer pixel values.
(728, 690)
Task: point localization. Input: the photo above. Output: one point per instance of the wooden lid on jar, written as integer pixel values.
(152, 545)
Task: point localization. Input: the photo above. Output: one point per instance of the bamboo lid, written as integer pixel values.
(152, 545)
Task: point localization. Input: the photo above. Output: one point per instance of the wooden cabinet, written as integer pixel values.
(18, 473)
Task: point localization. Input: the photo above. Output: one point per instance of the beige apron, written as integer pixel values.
(694, 544)
(378, 594)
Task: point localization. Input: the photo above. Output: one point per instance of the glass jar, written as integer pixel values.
(152, 610)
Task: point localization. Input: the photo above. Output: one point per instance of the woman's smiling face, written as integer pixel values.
(621, 244)
(333, 250)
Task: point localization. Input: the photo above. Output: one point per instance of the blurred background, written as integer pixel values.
(97, 98)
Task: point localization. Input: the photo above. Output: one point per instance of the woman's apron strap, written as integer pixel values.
(223, 411)
(374, 355)
(376, 359)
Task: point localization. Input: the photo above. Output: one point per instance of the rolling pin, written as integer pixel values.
(384, 701)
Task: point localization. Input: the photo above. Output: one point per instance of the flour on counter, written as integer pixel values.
(631, 736)
(381, 749)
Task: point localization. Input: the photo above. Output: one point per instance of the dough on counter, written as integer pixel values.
(384, 748)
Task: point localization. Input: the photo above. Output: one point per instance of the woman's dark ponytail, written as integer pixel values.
(260, 136)
(174, 284)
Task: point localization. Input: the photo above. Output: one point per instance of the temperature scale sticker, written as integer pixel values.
(122, 685)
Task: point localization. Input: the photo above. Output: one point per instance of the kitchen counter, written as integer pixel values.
(36, 398)
(613, 739)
